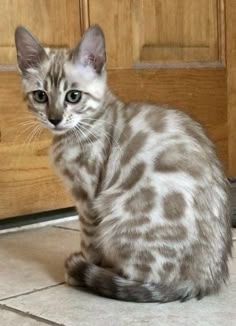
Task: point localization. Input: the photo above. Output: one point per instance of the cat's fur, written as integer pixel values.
(150, 191)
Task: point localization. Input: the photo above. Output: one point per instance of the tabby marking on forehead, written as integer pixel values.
(134, 176)
(45, 85)
(174, 206)
(135, 145)
(65, 86)
(56, 74)
(74, 85)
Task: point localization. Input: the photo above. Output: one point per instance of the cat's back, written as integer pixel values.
(178, 142)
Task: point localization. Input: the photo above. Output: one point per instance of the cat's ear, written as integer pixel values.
(29, 52)
(91, 49)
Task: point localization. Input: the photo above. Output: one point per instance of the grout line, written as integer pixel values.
(30, 292)
(29, 315)
(65, 228)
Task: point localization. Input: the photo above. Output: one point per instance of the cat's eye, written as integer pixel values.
(73, 96)
(40, 96)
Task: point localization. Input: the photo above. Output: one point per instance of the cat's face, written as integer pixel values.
(64, 88)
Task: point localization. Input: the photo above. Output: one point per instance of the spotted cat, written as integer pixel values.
(151, 194)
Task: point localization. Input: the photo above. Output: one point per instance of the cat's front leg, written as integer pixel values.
(88, 229)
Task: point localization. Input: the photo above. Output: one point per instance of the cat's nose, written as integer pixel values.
(55, 122)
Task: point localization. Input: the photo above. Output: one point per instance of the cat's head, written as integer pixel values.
(63, 87)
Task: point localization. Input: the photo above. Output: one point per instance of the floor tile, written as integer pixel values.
(31, 266)
(84, 309)
(34, 259)
(74, 225)
(10, 318)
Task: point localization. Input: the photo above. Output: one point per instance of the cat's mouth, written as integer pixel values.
(59, 130)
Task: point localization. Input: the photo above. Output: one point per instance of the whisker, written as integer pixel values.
(107, 135)
(77, 135)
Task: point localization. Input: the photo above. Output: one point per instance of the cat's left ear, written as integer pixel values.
(91, 49)
(30, 53)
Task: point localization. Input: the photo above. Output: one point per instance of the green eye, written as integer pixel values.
(40, 96)
(73, 96)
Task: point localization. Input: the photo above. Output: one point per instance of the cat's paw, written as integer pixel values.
(72, 265)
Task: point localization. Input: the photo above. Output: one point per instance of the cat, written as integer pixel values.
(150, 191)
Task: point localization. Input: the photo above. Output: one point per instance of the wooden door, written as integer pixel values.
(165, 51)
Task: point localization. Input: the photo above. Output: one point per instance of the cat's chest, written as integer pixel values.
(65, 156)
(75, 165)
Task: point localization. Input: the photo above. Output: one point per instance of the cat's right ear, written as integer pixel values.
(91, 49)
(29, 52)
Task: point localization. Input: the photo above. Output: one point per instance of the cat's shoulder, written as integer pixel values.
(136, 110)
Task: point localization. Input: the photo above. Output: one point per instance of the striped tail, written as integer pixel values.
(108, 284)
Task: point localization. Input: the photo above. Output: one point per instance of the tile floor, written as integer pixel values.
(32, 289)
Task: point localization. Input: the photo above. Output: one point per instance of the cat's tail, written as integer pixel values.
(108, 284)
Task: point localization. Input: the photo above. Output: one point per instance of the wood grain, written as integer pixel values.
(160, 30)
(231, 81)
(84, 15)
(54, 23)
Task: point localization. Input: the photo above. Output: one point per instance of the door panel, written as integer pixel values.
(159, 30)
(231, 83)
(54, 22)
